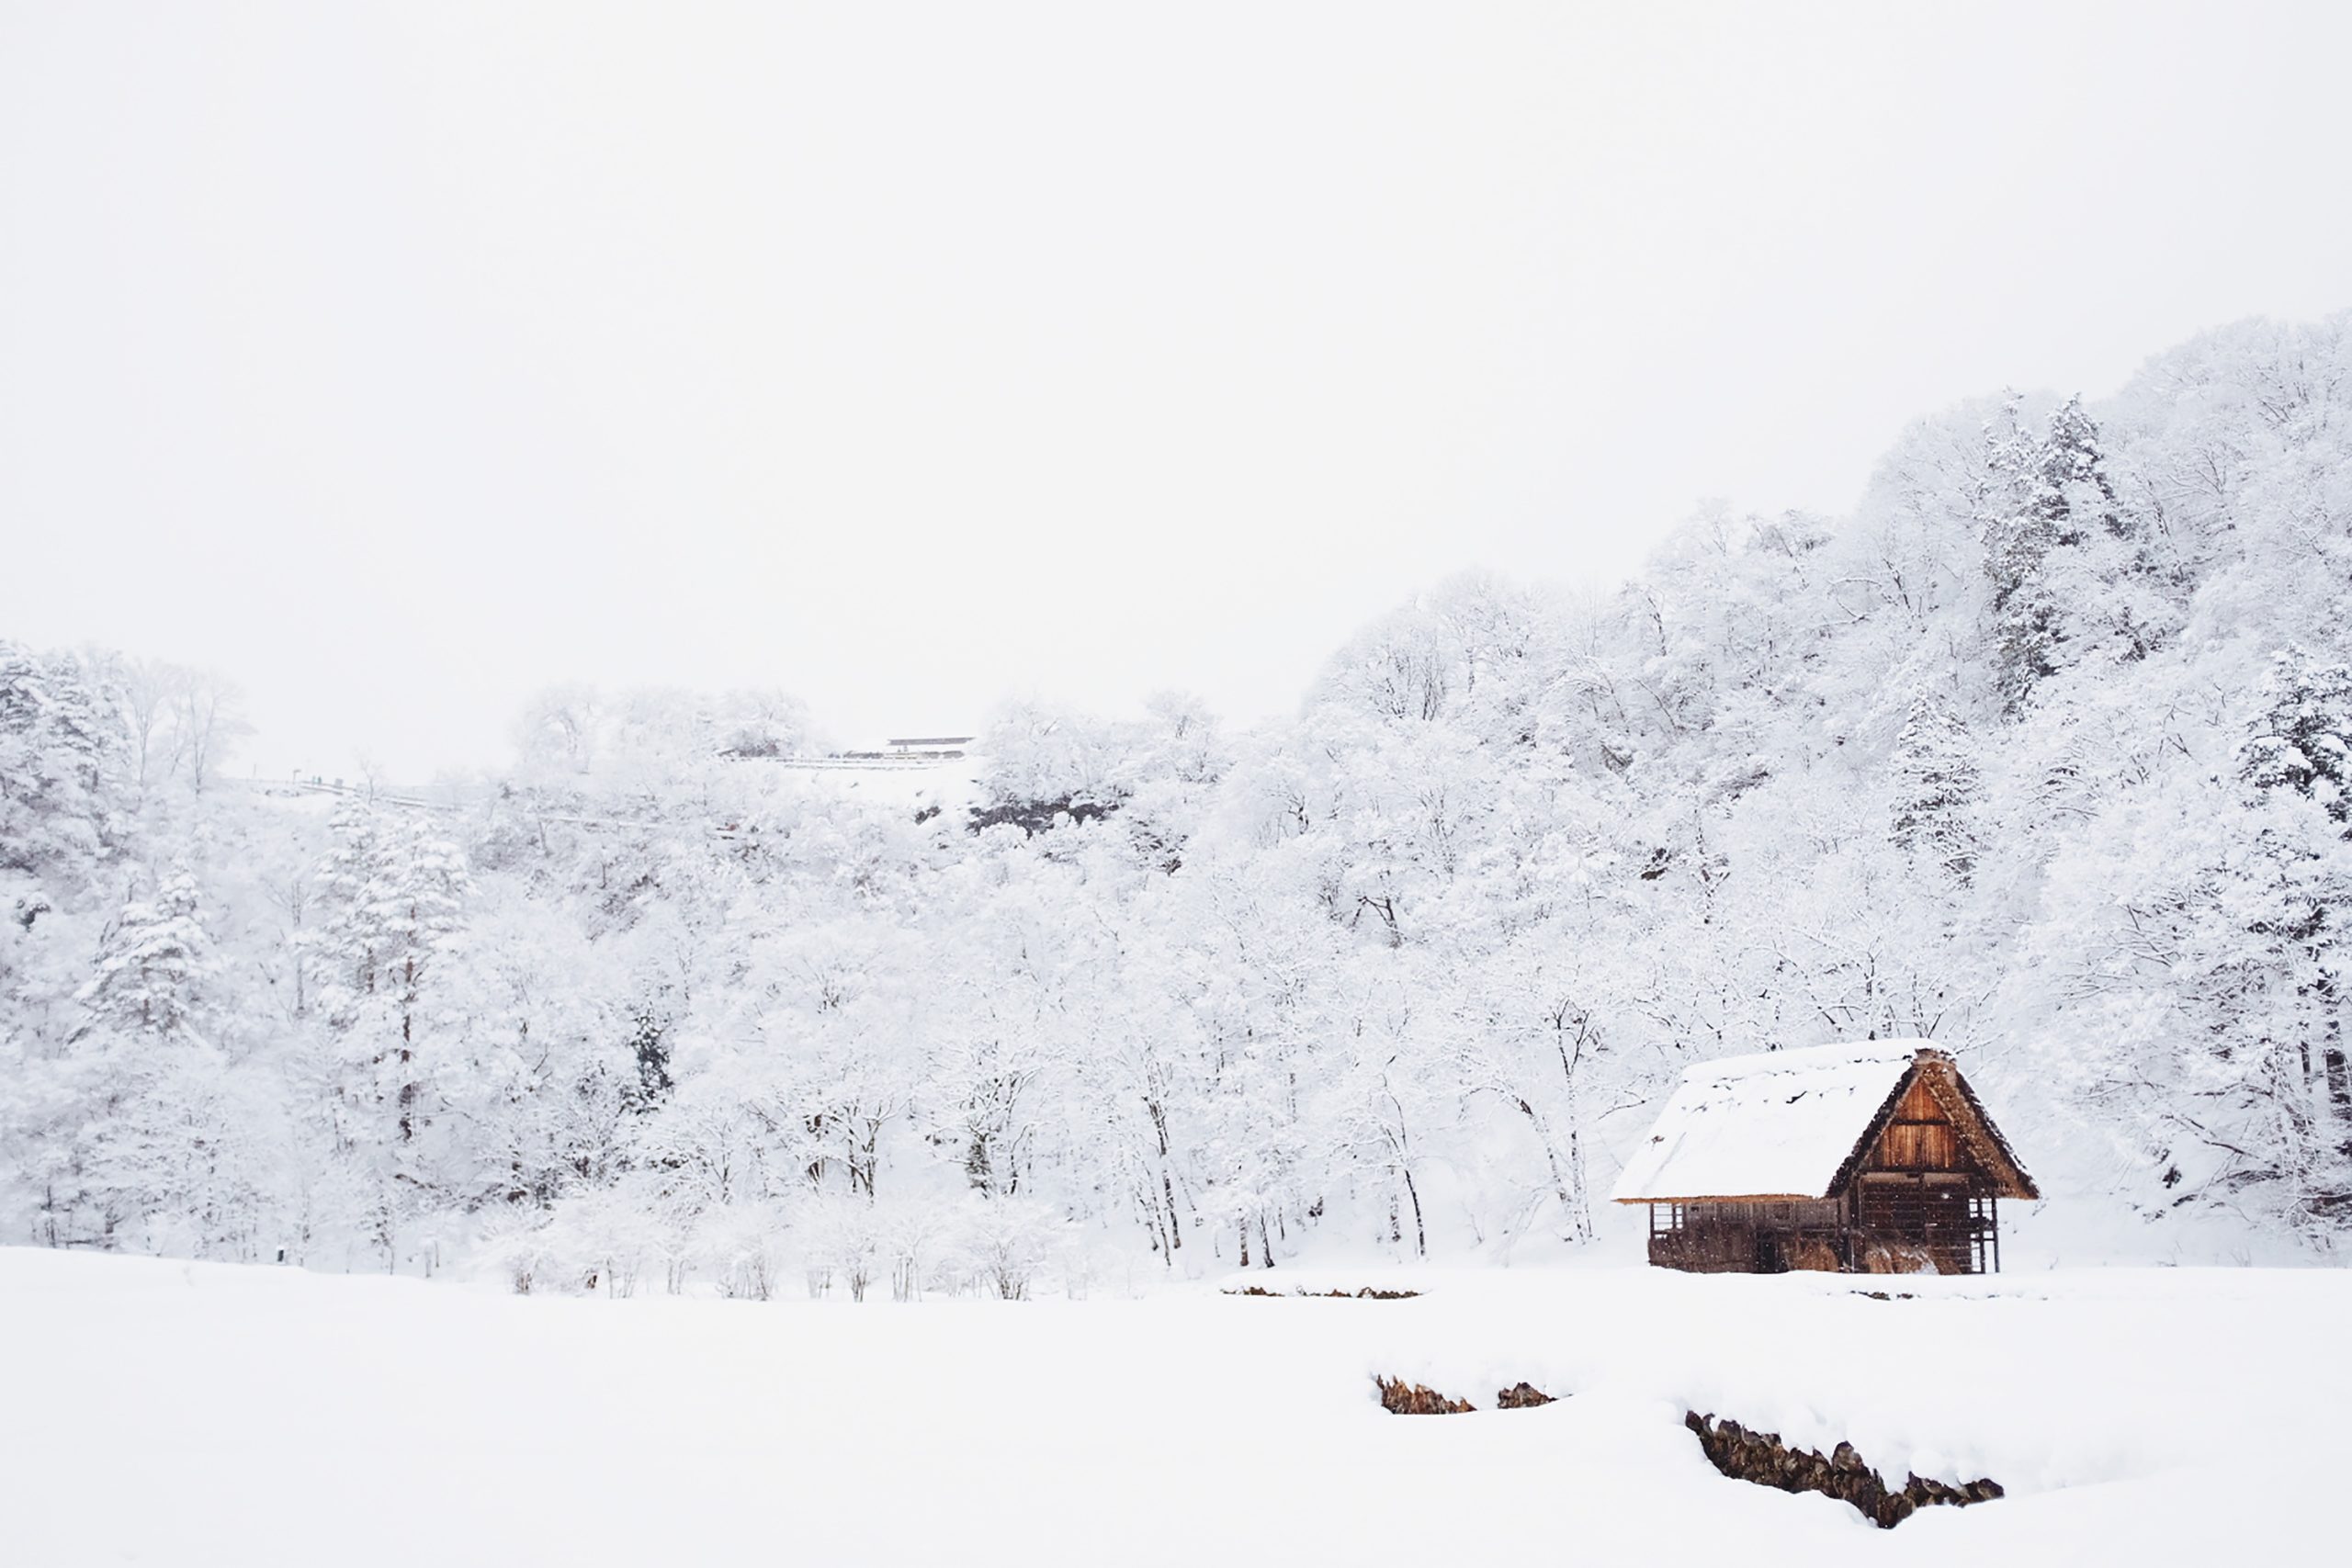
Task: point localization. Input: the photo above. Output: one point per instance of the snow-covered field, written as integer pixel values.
(174, 1413)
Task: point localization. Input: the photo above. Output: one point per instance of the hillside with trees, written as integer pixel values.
(2041, 752)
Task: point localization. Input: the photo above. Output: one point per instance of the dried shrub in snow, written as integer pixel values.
(1401, 1398)
(1762, 1458)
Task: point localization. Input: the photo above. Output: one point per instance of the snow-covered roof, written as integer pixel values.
(1775, 1126)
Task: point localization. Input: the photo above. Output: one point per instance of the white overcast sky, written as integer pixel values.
(397, 360)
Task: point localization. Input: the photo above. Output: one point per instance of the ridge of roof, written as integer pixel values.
(1805, 1060)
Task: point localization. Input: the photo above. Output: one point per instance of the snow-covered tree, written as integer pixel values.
(2301, 740)
(60, 745)
(1934, 778)
(154, 967)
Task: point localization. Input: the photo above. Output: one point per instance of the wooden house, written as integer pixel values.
(1869, 1157)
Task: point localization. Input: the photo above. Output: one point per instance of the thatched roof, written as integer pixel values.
(1797, 1124)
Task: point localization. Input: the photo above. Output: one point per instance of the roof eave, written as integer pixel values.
(1731, 1198)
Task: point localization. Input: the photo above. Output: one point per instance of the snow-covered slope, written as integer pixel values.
(202, 1414)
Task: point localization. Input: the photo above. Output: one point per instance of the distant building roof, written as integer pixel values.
(929, 740)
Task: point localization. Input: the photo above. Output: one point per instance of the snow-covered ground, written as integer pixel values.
(173, 1413)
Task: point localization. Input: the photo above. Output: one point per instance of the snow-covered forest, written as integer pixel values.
(2041, 752)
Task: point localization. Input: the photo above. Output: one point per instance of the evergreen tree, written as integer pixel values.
(59, 741)
(395, 894)
(2302, 739)
(1935, 785)
(2075, 495)
(147, 1146)
(2022, 521)
(417, 907)
(2054, 542)
(154, 967)
(342, 946)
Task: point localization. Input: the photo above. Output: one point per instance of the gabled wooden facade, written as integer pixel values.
(1918, 1187)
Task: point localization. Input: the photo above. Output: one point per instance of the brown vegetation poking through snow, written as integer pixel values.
(1367, 1295)
(1401, 1398)
(1811, 1254)
(1815, 1254)
(1762, 1458)
(1895, 1257)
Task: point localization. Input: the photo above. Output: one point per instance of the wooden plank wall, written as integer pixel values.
(1932, 1212)
(1920, 1137)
